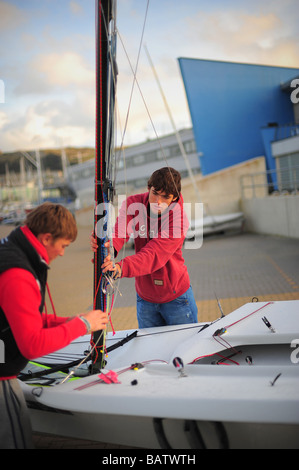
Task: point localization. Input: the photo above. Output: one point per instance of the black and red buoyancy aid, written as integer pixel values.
(17, 252)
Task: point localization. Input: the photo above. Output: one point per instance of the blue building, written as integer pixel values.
(236, 109)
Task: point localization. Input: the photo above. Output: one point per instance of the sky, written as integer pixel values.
(47, 62)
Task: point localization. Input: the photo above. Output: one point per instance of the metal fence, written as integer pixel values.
(282, 181)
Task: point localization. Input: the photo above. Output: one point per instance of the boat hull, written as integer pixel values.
(238, 389)
(158, 433)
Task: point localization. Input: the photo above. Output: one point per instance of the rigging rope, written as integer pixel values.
(133, 71)
(146, 108)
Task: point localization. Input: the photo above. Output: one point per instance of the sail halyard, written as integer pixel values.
(104, 189)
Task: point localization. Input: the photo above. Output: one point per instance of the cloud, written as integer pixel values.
(50, 86)
(50, 123)
(54, 71)
(11, 17)
(76, 9)
(44, 125)
(65, 69)
(233, 35)
(249, 29)
(3, 119)
(48, 61)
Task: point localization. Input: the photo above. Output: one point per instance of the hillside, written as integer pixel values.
(50, 158)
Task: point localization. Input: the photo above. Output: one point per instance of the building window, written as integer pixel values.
(139, 159)
(190, 146)
(288, 172)
(140, 183)
(175, 151)
(163, 153)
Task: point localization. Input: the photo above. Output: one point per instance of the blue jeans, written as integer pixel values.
(177, 312)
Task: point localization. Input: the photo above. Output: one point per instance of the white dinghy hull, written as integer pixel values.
(238, 388)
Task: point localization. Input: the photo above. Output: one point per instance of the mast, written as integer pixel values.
(105, 101)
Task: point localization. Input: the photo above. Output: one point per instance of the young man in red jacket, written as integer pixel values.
(25, 331)
(158, 223)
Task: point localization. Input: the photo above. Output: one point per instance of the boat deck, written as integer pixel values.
(233, 268)
(236, 269)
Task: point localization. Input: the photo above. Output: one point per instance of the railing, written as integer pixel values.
(282, 181)
(286, 131)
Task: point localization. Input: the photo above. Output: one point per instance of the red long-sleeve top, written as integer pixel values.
(36, 335)
(158, 264)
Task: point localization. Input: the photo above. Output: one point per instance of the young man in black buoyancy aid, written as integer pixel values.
(25, 331)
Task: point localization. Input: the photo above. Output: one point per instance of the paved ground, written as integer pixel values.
(233, 268)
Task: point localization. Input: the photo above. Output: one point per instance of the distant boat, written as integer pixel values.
(213, 224)
(62, 194)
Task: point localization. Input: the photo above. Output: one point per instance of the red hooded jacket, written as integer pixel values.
(158, 265)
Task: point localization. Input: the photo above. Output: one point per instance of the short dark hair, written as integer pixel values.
(54, 219)
(166, 179)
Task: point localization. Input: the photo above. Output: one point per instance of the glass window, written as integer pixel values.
(139, 159)
(288, 176)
